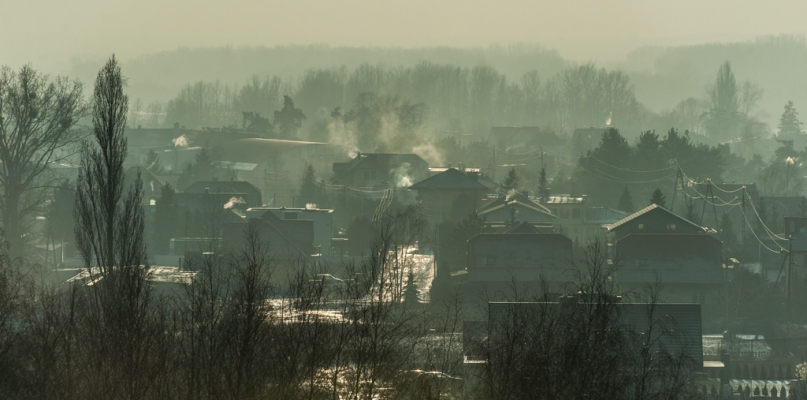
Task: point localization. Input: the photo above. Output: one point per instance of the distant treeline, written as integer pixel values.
(663, 77)
(457, 99)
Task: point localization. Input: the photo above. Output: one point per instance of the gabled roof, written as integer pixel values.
(565, 198)
(653, 208)
(513, 197)
(222, 187)
(604, 215)
(524, 227)
(145, 175)
(380, 161)
(533, 133)
(451, 179)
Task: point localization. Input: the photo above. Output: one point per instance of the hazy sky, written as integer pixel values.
(53, 31)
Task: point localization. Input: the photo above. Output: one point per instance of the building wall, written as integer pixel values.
(519, 252)
(522, 214)
(656, 222)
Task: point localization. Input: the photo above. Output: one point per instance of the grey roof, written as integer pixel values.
(565, 198)
(651, 208)
(380, 161)
(604, 215)
(259, 150)
(222, 187)
(524, 227)
(451, 179)
(513, 198)
(533, 133)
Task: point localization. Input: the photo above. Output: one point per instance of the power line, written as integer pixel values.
(770, 232)
(728, 191)
(631, 170)
(622, 180)
(760, 240)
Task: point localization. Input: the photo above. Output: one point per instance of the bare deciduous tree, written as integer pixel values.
(37, 120)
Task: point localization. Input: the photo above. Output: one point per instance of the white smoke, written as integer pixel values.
(181, 141)
(431, 154)
(400, 175)
(233, 201)
(343, 135)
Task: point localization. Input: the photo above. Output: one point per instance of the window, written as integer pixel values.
(491, 260)
(671, 227)
(699, 298)
(290, 215)
(576, 213)
(641, 227)
(564, 213)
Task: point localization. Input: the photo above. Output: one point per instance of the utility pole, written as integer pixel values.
(679, 176)
(742, 221)
(542, 157)
(789, 276)
(493, 170)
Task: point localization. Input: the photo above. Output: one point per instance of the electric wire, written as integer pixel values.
(760, 240)
(770, 232)
(631, 170)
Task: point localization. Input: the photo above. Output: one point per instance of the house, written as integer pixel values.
(283, 239)
(783, 206)
(276, 166)
(654, 219)
(152, 185)
(512, 207)
(438, 193)
(513, 333)
(688, 266)
(479, 175)
(570, 212)
(246, 195)
(509, 137)
(322, 219)
(522, 254)
(165, 140)
(381, 170)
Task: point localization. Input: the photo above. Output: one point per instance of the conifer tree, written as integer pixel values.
(289, 119)
(512, 181)
(625, 202)
(543, 186)
(789, 123)
(309, 191)
(658, 198)
(152, 163)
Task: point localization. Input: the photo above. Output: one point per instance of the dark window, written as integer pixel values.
(290, 215)
(576, 213)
